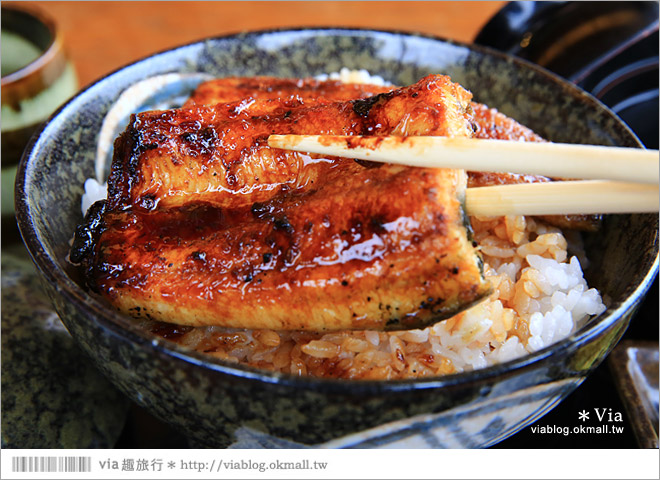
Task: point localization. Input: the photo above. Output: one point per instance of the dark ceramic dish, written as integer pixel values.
(217, 403)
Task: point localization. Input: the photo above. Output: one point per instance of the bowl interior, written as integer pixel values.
(57, 162)
(29, 26)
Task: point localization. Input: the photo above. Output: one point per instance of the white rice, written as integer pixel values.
(540, 297)
(94, 191)
(354, 76)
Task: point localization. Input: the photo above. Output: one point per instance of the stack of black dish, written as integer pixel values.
(610, 49)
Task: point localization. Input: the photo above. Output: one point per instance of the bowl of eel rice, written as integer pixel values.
(307, 388)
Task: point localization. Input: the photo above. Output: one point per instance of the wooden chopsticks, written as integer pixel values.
(558, 160)
(636, 172)
(562, 198)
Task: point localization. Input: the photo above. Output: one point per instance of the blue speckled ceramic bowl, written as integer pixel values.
(217, 403)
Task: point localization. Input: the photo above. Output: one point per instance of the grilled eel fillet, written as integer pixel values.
(487, 122)
(219, 154)
(232, 89)
(345, 245)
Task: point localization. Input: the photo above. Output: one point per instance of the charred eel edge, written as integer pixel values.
(86, 237)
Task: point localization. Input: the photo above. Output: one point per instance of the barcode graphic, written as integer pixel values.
(51, 464)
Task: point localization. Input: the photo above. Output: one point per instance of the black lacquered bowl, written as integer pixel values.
(216, 402)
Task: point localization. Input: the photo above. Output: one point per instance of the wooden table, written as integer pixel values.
(103, 36)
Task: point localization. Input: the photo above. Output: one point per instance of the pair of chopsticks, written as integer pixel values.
(612, 179)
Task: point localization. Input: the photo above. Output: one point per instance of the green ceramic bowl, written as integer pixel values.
(218, 403)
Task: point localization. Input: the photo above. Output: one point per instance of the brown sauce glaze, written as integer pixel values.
(224, 90)
(206, 225)
(202, 154)
(352, 254)
(168, 331)
(487, 123)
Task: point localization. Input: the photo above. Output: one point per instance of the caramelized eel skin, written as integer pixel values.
(232, 89)
(487, 122)
(219, 154)
(378, 248)
(190, 236)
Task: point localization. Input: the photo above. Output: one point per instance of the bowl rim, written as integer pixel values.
(119, 325)
(41, 72)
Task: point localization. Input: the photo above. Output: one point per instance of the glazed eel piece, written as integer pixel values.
(352, 246)
(487, 122)
(232, 89)
(219, 153)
